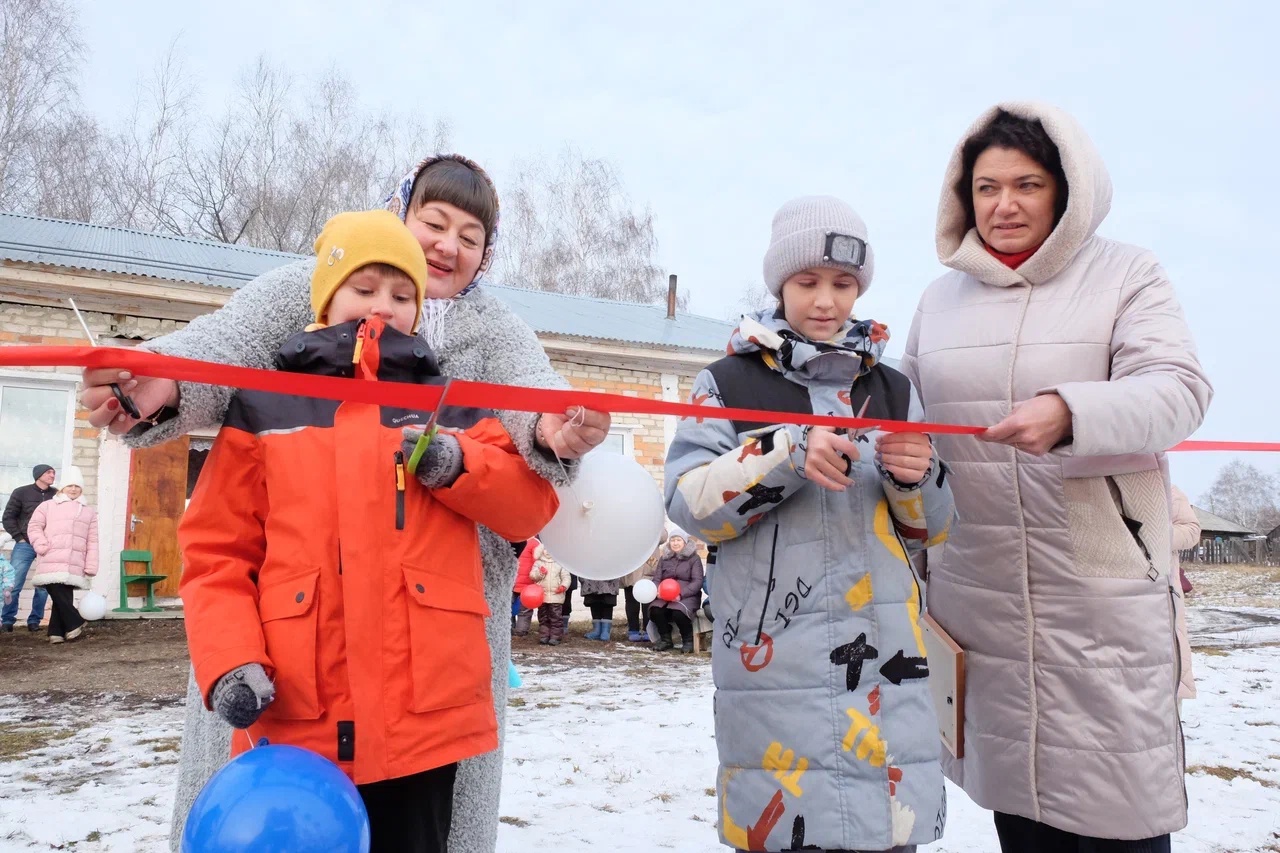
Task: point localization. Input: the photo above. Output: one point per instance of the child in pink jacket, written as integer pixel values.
(64, 533)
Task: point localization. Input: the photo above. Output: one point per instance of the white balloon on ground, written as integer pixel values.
(92, 606)
(609, 518)
(645, 591)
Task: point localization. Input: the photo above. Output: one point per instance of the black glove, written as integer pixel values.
(242, 695)
(441, 465)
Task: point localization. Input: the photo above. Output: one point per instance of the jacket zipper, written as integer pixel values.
(399, 456)
(1177, 656)
(359, 347)
(768, 590)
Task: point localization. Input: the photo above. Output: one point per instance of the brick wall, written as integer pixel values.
(649, 430)
(34, 324)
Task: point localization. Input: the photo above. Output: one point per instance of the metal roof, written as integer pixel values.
(100, 248)
(1210, 523)
(76, 245)
(587, 317)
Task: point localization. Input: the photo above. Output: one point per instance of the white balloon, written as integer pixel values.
(92, 606)
(645, 591)
(610, 518)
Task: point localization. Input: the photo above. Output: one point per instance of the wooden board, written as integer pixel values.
(157, 498)
(946, 683)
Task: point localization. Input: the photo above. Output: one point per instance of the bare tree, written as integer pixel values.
(754, 297)
(1246, 495)
(67, 174)
(569, 227)
(277, 165)
(142, 166)
(40, 56)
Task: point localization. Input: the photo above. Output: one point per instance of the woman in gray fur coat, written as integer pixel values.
(451, 206)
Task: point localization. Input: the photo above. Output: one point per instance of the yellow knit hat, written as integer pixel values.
(353, 240)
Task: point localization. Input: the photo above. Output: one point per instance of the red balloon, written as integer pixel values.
(669, 589)
(532, 596)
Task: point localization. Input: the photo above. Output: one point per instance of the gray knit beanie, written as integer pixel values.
(800, 229)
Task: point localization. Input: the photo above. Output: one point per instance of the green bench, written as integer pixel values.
(143, 557)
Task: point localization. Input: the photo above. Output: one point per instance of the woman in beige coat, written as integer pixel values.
(1186, 536)
(1057, 581)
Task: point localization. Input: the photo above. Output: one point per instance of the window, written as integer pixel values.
(35, 428)
(620, 441)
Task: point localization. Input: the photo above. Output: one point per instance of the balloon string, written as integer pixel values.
(579, 418)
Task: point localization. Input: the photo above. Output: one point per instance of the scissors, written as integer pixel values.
(428, 432)
(126, 402)
(855, 434)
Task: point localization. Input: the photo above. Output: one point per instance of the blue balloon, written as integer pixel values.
(278, 799)
(513, 675)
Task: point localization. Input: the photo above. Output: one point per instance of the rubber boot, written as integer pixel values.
(606, 628)
(595, 630)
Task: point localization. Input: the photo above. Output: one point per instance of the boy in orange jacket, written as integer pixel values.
(334, 598)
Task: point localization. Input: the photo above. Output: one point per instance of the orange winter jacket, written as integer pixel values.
(310, 550)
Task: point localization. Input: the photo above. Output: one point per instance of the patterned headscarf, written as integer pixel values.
(435, 310)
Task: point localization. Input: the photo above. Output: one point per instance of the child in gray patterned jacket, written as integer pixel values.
(825, 727)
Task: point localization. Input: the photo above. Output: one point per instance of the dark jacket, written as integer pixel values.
(685, 567)
(599, 593)
(22, 503)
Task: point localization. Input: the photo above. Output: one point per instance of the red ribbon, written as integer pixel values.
(481, 395)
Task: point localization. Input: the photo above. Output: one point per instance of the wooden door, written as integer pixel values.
(157, 497)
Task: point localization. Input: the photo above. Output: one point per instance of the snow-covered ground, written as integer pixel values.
(607, 749)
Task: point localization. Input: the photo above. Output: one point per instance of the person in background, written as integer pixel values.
(1186, 536)
(64, 534)
(554, 580)
(566, 607)
(522, 616)
(680, 562)
(602, 598)
(17, 513)
(1186, 532)
(7, 575)
(637, 613)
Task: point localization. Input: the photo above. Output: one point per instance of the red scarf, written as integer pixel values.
(1011, 260)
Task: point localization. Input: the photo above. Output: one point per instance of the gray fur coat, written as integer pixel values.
(483, 340)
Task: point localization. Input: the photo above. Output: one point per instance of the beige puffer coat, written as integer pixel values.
(1056, 581)
(1186, 535)
(645, 571)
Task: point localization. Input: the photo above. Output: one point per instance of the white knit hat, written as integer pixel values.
(71, 476)
(799, 240)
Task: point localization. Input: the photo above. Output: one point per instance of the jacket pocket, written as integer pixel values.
(289, 615)
(1117, 525)
(450, 653)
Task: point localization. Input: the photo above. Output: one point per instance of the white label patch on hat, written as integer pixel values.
(335, 255)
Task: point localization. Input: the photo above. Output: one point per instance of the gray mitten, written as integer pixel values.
(242, 695)
(441, 465)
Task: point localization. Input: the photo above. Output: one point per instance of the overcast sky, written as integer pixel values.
(716, 113)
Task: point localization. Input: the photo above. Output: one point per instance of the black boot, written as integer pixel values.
(664, 643)
(687, 646)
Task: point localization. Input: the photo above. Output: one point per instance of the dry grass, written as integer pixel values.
(514, 821)
(1233, 585)
(1230, 774)
(18, 740)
